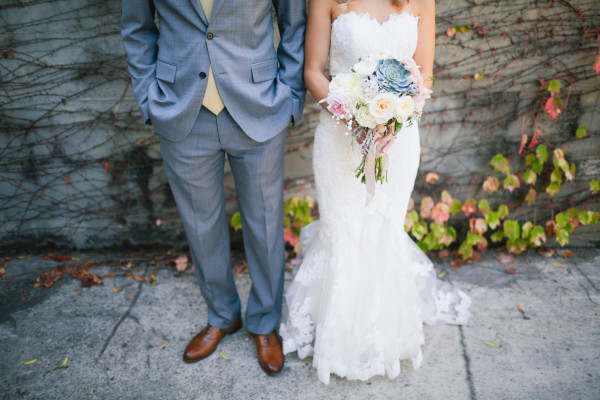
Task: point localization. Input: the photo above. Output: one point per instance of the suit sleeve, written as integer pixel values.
(291, 20)
(140, 39)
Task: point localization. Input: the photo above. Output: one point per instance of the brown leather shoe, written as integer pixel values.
(270, 353)
(205, 342)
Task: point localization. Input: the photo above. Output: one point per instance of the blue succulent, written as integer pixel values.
(393, 77)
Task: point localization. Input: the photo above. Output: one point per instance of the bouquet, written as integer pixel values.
(379, 96)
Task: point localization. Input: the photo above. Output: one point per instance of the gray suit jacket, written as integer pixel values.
(262, 88)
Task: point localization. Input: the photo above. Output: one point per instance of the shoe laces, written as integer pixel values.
(267, 339)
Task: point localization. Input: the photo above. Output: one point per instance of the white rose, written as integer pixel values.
(346, 84)
(364, 118)
(383, 107)
(405, 107)
(365, 67)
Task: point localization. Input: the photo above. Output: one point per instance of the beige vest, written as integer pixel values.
(212, 98)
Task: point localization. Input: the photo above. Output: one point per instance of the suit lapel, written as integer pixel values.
(217, 5)
(196, 4)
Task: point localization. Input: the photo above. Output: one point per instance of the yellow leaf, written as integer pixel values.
(442, 274)
(64, 363)
(164, 345)
(30, 361)
(494, 345)
(223, 355)
(92, 294)
(557, 265)
(117, 289)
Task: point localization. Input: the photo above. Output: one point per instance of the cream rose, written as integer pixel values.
(383, 107)
(405, 107)
(364, 118)
(365, 67)
(346, 84)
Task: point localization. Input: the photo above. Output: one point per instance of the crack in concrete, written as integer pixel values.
(588, 295)
(125, 315)
(472, 393)
(586, 278)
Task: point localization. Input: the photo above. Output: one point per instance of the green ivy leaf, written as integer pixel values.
(465, 250)
(529, 177)
(561, 220)
(455, 206)
(541, 152)
(438, 230)
(556, 176)
(493, 219)
(594, 186)
(484, 206)
(497, 236)
(419, 230)
(503, 211)
(500, 164)
(423, 247)
(553, 188)
(526, 230)
(530, 198)
(517, 247)
(581, 132)
(538, 166)
(554, 87)
(473, 238)
(430, 241)
(512, 230)
(530, 159)
(562, 237)
(236, 221)
(537, 236)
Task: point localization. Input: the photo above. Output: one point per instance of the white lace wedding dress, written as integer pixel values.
(364, 289)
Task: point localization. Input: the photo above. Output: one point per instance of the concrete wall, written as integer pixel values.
(79, 168)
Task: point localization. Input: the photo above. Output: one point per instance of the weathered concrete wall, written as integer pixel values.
(79, 168)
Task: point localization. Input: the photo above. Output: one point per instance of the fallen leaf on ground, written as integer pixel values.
(511, 271)
(24, 257)
(521, 311)
(135, 277)
(566, 253)
(546, 252)
(92, 294)
(117, 289)
(164, 345)
(442, 274)
(23, 298)
(557, 265)
(64, 363)
(223, 355)
(505, 258)
(111, 275)
(181, 263)
(30, 361)
(494, 345)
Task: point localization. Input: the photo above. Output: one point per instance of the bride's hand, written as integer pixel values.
(387, 137)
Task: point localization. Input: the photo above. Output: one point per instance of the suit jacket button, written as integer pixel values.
(210, 35)
(202, 75)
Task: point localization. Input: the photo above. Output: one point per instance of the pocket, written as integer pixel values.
(165, 71)
(264, 71)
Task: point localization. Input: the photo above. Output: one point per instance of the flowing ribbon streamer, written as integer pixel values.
(370, 173)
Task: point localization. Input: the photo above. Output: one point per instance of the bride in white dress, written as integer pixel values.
(364, 289)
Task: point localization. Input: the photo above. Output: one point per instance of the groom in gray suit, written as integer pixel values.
(209, 80)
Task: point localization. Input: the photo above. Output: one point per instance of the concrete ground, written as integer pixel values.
(124, 339)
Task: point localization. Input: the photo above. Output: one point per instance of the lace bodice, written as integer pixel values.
(357, 35)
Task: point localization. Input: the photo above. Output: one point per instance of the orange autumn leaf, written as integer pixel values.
(469, 207)
(431, 177)
(107, 165)
(523, 142)
(440, 213)
(534, 140)
(67, 179)
(553, 107)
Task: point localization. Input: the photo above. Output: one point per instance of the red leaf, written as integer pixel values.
(62, 257)
(596, 65)
(290, 237)
(534, 140)
(431, 177)
(440, 213)
(107, 165)
(553, 107)
(523, 142)
(511, 271)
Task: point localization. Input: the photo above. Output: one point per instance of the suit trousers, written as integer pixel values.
(195, 169)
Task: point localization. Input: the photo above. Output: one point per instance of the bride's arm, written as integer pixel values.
(426, 42)
(316, 48)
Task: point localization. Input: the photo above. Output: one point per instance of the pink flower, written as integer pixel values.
(338, 106)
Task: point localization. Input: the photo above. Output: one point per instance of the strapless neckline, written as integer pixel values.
(368, 16)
